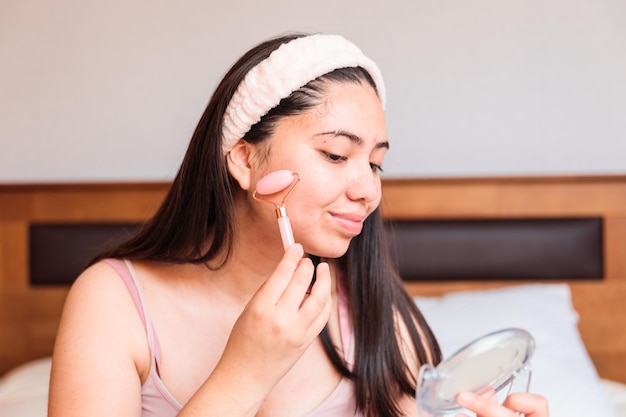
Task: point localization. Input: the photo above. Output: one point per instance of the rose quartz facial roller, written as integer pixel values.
(272, 184)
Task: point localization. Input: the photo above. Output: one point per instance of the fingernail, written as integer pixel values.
(466, 397)
(324, 265)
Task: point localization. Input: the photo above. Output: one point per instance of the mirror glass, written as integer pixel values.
(491, 362)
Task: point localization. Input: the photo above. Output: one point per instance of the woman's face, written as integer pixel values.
(337, 148)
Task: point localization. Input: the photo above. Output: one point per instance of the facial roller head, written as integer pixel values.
(274, 182)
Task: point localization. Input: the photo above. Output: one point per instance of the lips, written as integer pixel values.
(351, 223)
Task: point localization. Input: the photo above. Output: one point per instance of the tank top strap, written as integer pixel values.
(127, 273)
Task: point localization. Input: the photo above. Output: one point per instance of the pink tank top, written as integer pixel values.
(157, 401)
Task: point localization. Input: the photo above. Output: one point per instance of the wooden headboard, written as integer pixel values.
(29, 314)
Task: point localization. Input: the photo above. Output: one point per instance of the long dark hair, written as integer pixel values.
(198, 209)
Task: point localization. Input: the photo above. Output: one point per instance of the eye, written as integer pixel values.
(376, 167)
(334, 158)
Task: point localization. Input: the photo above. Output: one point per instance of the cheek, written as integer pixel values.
(317, 187)
(306, 201)
(306, 205)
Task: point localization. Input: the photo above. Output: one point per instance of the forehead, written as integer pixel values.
(349, 106)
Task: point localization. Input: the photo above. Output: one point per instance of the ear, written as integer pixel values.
(238, 160)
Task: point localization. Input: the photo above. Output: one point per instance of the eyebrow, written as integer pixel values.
(353, 138)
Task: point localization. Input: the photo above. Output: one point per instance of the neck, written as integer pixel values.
(256, 253)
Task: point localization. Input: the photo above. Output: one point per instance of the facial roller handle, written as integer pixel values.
(285, 231)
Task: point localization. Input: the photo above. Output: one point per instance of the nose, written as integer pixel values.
(364, 185)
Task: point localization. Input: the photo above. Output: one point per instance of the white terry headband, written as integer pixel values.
(286, 69)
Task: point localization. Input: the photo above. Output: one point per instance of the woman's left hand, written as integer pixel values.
(529, 405)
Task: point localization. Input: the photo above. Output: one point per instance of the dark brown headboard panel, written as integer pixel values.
(498, 249)
(486, 249)
(59, 252)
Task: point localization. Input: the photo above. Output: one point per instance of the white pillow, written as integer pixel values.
(24, 390)
(562, 369)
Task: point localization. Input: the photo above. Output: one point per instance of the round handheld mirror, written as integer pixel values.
(491, 362)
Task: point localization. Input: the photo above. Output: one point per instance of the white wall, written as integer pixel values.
(111, 90)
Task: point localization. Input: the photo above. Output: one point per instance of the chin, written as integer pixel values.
(333, 251)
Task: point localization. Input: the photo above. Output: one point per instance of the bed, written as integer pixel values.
(575, 312)
(562, 369)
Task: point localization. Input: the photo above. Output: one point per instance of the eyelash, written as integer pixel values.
(339, 158)
(376, 167)
(335, 158)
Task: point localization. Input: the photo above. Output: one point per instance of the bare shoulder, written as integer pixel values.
(100, 348)
(100, 276)
(99, 304)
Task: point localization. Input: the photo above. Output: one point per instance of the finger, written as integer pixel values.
(482, 406)
(275, 285)
(317, 306)
(298, 285)
(531, 405)
(322, 274)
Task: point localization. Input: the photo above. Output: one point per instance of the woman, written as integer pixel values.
(221, 320)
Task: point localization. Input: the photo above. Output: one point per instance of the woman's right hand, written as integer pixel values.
(278, 324)
(281, 321)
